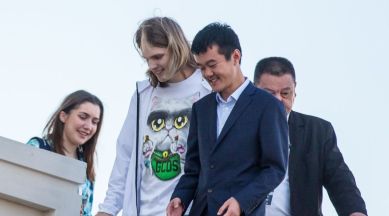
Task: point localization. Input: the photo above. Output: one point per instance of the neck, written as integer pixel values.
(69, 150)
(182, 75)
(239, 81)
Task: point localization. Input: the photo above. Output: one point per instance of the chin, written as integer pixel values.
(217, 88)
(162, 79)
(82, 141)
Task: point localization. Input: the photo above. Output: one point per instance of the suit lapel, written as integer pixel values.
(211, 111)
(241, 104)
(296, 137)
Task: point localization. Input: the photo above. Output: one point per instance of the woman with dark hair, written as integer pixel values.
(72, 131)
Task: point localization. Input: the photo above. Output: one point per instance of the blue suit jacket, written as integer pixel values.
(246, 161)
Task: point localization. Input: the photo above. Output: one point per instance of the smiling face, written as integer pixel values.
(223, 76)
(282, 87)
(157, 59)
(80, 124)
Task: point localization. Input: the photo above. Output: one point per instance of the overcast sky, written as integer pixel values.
(339, 49)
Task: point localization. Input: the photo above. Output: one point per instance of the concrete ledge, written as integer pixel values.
(38, 182)
(29, 156)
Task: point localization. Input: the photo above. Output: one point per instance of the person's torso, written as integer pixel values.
(164, 141)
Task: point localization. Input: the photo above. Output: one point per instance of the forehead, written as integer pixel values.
(89, 108)
(212, 54)
(276, 82)
(148, 50)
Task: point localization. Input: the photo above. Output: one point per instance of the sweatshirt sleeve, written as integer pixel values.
(113, 201)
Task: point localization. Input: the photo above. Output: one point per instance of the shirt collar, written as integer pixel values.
(235, 95)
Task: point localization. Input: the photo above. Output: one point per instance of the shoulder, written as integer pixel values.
(310, 120)
(263, 99)
(257, 92)
(206, 100)
(204, 84)
(39, 143)
(143, 85)
(35, 141)
(194, 83)
(144, 89)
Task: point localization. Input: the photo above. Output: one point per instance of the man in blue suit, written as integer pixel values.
(237, 143)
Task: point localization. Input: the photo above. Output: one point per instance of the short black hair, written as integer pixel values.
(276, 66)
(216, 34)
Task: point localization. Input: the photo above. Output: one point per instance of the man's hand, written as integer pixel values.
(230, 207)
(102, 214)
(357, 214)
(175, 207)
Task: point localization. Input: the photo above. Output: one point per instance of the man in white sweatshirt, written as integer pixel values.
(152, 144)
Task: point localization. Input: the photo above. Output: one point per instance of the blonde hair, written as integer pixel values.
(164, 32)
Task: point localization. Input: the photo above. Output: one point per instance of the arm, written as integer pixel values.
(187, 184)
(273, 136)
(175, 207)
(339, 180)
(113, 201)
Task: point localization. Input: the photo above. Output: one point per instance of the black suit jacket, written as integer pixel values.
(246, 161)
(316, 161)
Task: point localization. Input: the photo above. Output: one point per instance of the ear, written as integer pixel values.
(236, 56)
(295, 84)
(63, 116)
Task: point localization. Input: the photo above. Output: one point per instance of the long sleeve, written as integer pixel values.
(273, 136)
(113, 201)
(186, 187)
(339, 180)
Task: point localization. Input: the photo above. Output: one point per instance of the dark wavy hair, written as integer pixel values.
(53, 130)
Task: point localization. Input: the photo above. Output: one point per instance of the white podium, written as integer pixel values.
(36, 182)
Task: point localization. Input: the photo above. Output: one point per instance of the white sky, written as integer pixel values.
(339, 49)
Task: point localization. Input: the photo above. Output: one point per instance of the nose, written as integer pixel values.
(206, 72)
(152, 64)
(88, 125)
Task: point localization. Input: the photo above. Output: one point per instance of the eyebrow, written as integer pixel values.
(267, 89)
(207, 63)
(94, 118)
(153, 56)
(210, 61)
(287, 88)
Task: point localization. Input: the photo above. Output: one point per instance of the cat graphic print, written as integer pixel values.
(165, 142)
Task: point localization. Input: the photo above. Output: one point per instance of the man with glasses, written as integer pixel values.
(314, 157)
